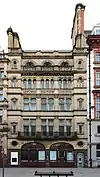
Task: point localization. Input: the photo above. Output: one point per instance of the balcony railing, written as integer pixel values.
(47, 135)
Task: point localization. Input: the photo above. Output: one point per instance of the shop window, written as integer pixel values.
(41, 155)
(98, 129)
(53, 155)
(98, 150)
(70, 156)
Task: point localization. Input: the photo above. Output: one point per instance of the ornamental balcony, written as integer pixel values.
(47, 135)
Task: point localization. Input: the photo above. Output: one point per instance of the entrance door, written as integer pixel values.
(80, 159)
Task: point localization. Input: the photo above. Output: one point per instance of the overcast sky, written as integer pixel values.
(44, 24)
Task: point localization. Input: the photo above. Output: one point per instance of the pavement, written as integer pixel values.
(29, 172)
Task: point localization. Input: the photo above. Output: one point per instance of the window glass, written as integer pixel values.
(41, 155)
(97, 57)
(53, 155)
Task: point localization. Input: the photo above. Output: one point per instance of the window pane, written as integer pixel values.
(29, 83)
(98, 57)
(52, 83)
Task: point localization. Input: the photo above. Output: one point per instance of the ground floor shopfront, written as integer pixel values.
(59, 154)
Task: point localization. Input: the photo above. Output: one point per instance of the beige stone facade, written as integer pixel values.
(46, 99)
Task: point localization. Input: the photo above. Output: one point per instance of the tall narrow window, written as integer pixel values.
(47, 83)
(51, 104)
(13, 128)
(52, 83)
(25, 83)
(33, 126)
(14, 82)
(80, 129)
(26, 104)
(33, 104)
(69, 83)
(14, 104)
(64, 83)
(68, 127)
(26, 127)
(80, 64)
(60, 83)
(80, 104)
(50, 127)
(80, 82)
(68, 104)
(1, 74)
(29, 83)
(14, 64)
(98, 78)
(43, 104)
(61, 127)
(61, 104)
(1, 94)
(98, 107)
(42, 83)
(44, 127)
(34, 83)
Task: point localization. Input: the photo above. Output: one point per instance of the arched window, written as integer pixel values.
(25, 83)
(14, 104)
(47, 83)
(42, 83)
(14, 64)
(47, 64)
(80, 82)
(14, 82)
(52, 83)
(60, 83)
(64, 64)
(34, 83)
(29, 83)
(64, 83)
(69, 83)
(29, 66)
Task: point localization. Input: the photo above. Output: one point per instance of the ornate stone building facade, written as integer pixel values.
(45, 105)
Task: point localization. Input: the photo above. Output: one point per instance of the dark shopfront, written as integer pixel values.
(59, 155)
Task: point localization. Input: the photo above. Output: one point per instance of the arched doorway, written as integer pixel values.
(30, 154)
(64, 155)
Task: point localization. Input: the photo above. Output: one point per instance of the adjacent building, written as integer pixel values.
(44, 102)
(94, 43)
